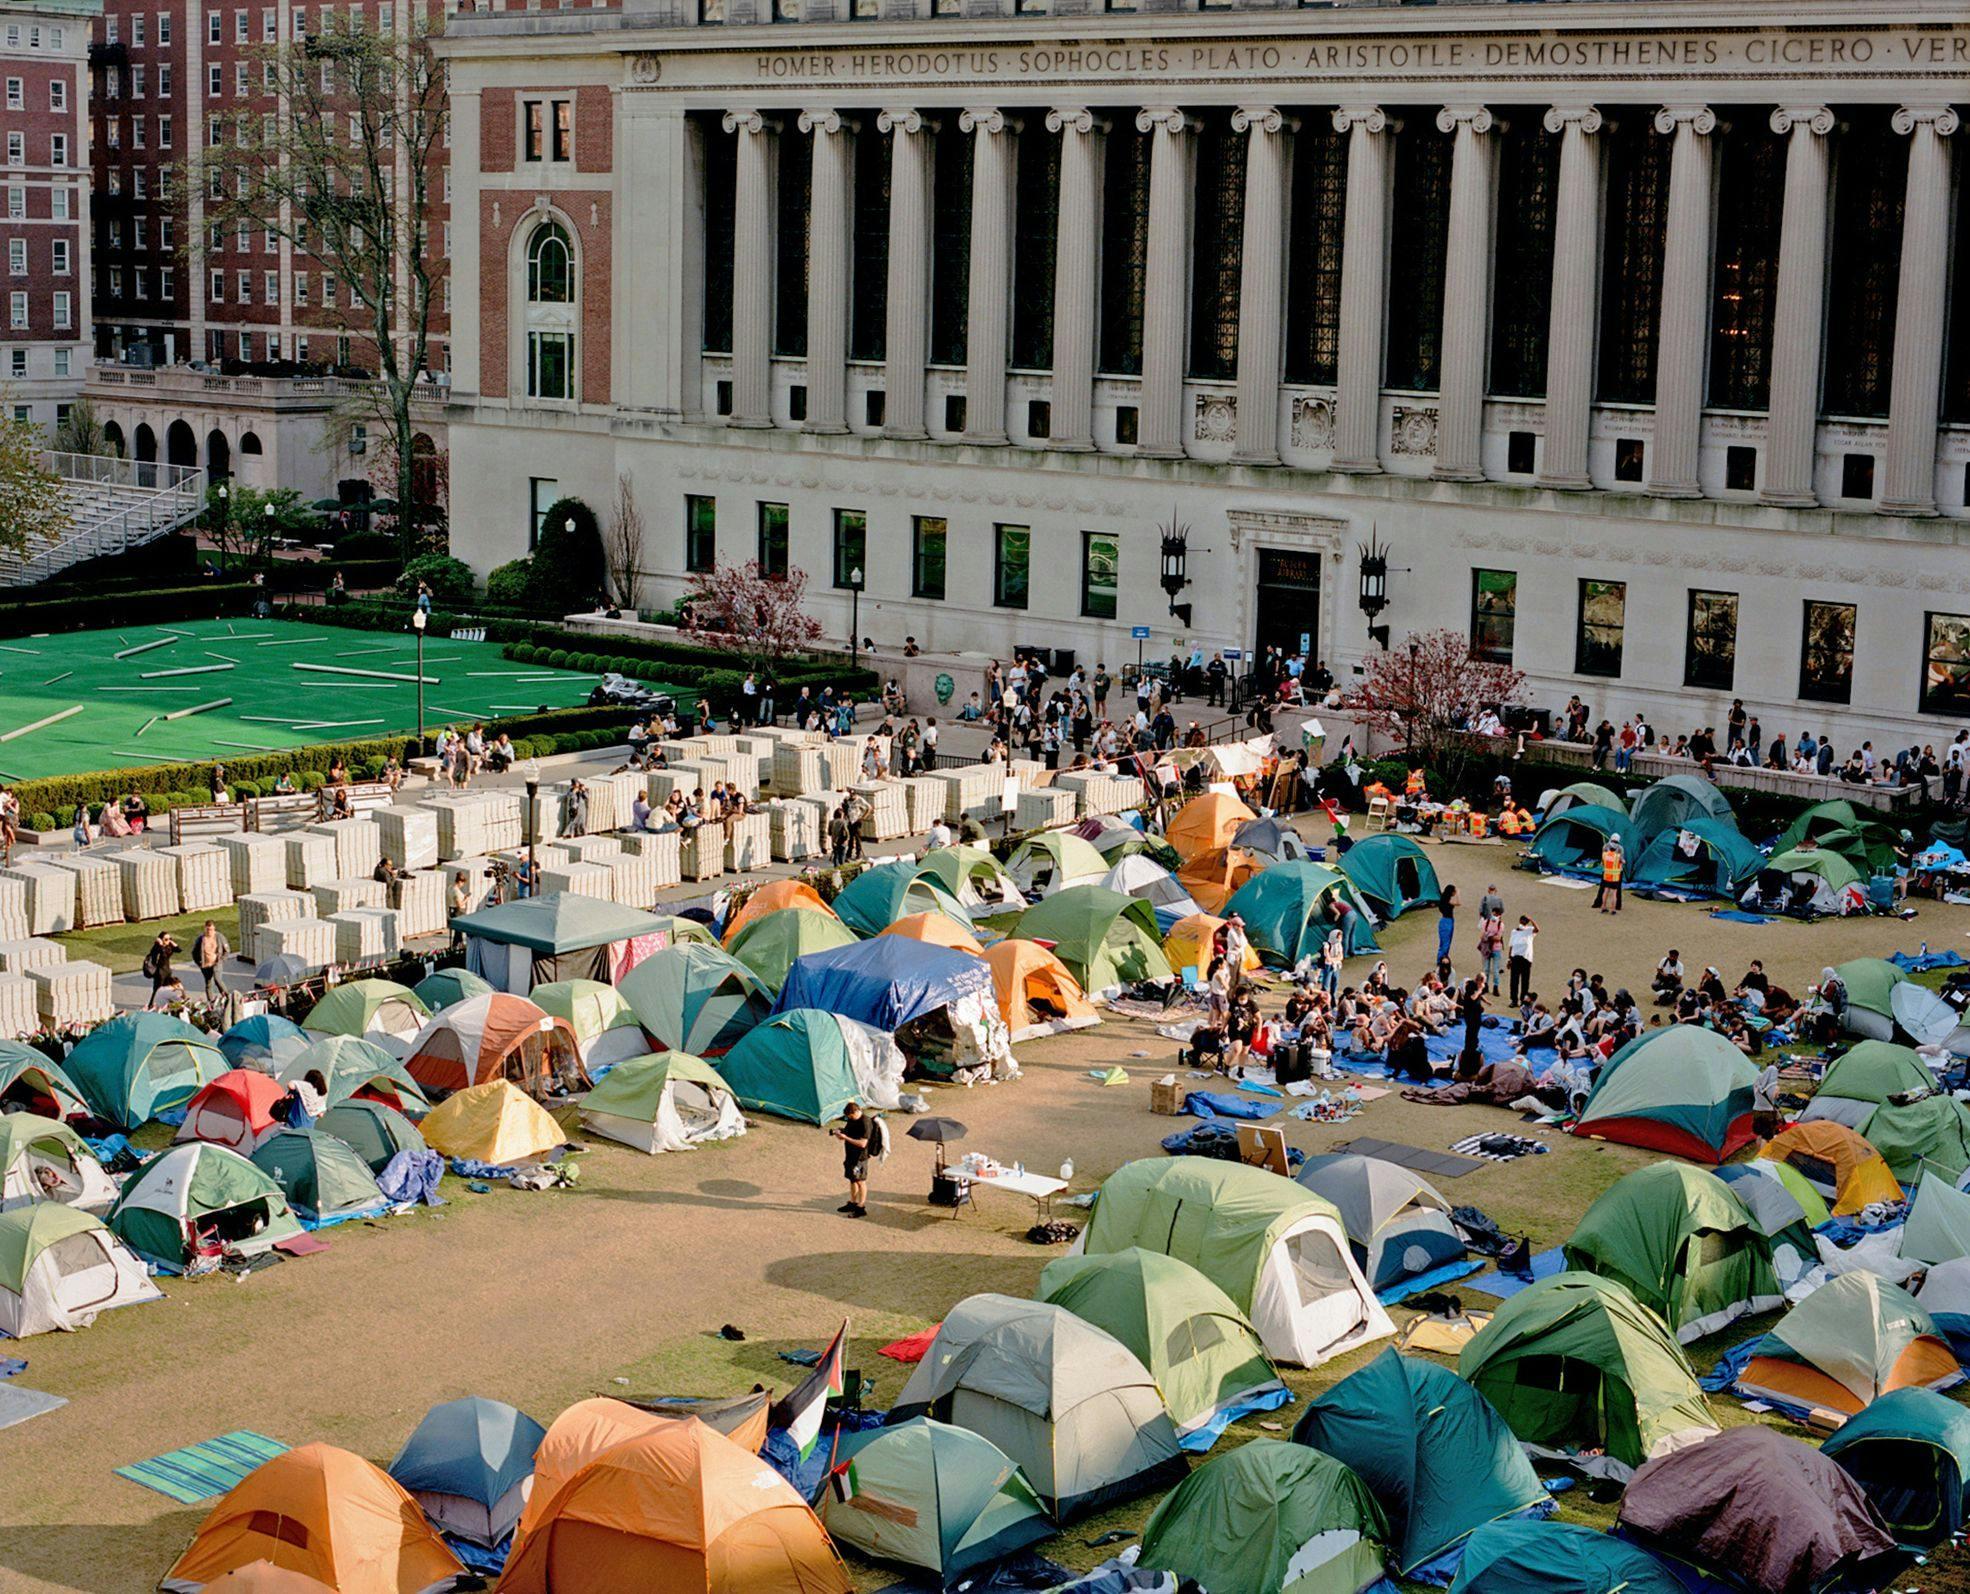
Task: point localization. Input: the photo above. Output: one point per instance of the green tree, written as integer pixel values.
(449, 579)
(568, 566)
(33, 507)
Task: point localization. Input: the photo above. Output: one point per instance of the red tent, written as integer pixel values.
(235, 1111)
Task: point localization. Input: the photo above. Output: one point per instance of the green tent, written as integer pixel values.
(1861, 1079)
(604, 1023)
(1682, 1244)
(1871, 984)
(1931, 1133)
(1582, 794)
(137, 1065)
(974, 877)
(1116, 839)
(30, 1079)
(448, 987)
(1576, 1361)
(1683, 1090)
(768, 944)
(1432, 1451)
(320, 1174)
(59, 1267)
(795, 1065)
(1242, 1524)
(1938, 1224)
(669, 1101)
(354, 1066)
(1204, 1355)
(1051, 860)
(1862, 833)
(1910, 1453)
(1818, 881)
(879, 896)
(34, 1149)
(1284, 911)
(375, 1132)
(1869, 850)
(360, 1006)
(694, 998)
(1570, 842)
(1106, 939)
(1784, 1207)
(195, 1191)
(1277, 1250)
(1525, 1557)
(1391, 873)
(1851, 1341)
(928, 1495)
(1675, 800)
(680, 929)
(1707, 857)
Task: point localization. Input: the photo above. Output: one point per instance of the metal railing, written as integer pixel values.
(164, 498)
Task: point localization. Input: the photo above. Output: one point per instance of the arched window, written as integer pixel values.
(550, 313)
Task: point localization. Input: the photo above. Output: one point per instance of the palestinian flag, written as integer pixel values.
(800, 1412)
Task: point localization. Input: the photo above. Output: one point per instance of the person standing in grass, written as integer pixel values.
(1446, 922)
(856, 1134)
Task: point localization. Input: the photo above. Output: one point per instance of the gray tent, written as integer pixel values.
(1398, 1224)
(1068, 1403)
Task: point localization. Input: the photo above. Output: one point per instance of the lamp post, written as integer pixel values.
(1375, 587)
(855, 618)
(1175, 569)
(417, 623)
(533, 830)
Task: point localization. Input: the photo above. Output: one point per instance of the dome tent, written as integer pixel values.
(44, 1161)
(1682, 1244)
(880, 895)
(235, 1111)
(1862, 1078)
(937, 929)
(1824, 821)
(1140, 877)
(1785, 1210)
(467, 1464)
(137, 1065)
(1276, 1249)
(1192, 944)
(1115, 839)
(1398, 1223)
(603, 1022)
(1581, 793)
(1528, 1557)
(355, 1067)
(768, 945)
(887, 981)
(1433, 1453)
(1391, 873)
(671, 1101)
(376, 1008)
(1675, 800)
(1570, 842)
(1937, 1228)
(375, 1132)
(1106, 940)
(60, 1267)
(1909, 1451)
(1577, 1361)
(1069, 1404)
(33, 1082)
(775, 896)
(500, 1036)
(196, 1191)
(974, 877)
(1689, 1097)
(1269, 1516)
(1284, 911)
(583, 1431)
(1870, 984)
(1051, 860)
(448, 987)
(562, 936)
(1704, 857)
(1808, 881)
(1210, 819)
(1271, 840)
(492, 1122)
(1205, 1357)
(1932, 1132)
(1036, 994)
(1212, 878)
(808, 1065)
(1835, 1162)
(927, 1495)
(694, 998)
(321, 1176)
(263, 1577)
(265, 1042)
(1854, 1338)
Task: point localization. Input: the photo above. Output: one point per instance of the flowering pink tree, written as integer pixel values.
(740, 609)
(1427, 690)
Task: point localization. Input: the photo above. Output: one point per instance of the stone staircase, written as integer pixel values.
(114, 505)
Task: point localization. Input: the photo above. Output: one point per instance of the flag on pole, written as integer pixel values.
(800, 1412)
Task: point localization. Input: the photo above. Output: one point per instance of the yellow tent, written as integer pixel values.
(1190, 941)
(494, 1122)
(1836, 1161)
(939, 929)
(1036, 993)
(1206, 821)
(770, 898)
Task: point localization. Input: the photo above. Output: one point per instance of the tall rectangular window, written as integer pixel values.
(1522, 271)
(1870, 181)
(851, 548)
(1101, 572)
(533, 114)
(928, 536)
(793, 192)
(773, 539)
(1603, 617)
(1036, 214)
(1826, 653)
(1494, 614)
(950, 244)
(1744, 289)
(1946, 664)
(868, 303)
(550, 364)
(1217, 234)
(700, 532)
(1012, 565)
(564, 129)
(541, 493)
(1631, 259)
(721, 152)
(1419, 241)
(1316, 216)
(1710, 648)
(1124, 247)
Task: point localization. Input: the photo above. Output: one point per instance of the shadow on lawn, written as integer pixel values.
(894, 1281)
(98, 1555)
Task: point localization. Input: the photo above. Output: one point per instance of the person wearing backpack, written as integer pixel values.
(157, 963)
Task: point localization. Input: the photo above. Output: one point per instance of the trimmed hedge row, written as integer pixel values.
(212, 601)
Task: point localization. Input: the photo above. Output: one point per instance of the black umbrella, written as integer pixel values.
(283, 968)
(937, 1129)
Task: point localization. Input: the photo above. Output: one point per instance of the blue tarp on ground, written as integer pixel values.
(885, 982)
(1916, 962)
(1494, 1045)
(1222, 1104)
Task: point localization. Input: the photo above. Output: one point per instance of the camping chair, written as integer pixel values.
(1187, 992)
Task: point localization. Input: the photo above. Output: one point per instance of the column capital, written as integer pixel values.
(1817, 119)
(825, 120)
(1170, 118)
(744, 122)
(1266, 118)
(1073, 119)
(908, 120)
(1477, 118)
(1697, 118)
(982, 119)
(1371, 117)
(1587, 118)
(1941, 119)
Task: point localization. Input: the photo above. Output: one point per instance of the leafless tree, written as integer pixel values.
(625, 542)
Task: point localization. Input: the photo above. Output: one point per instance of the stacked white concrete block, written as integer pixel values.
(477, 874)
(310, 861)
(19, 1015)
(312, 941)
(843, 760)
(49, 896)
(702, 854)
(548, 857)
(358, 844)
(31, 952)
(422, 904)
(799, 768)
(98, 889)
(612, 799)
(205, 876)
(541, 821)
(463, 825)
(748, 842)
(886, 811)
(579, 879)
(339, 896)
(1103, 794)
(1044, 806)
(686, 778)
(925, 796)
(593, 849)
(633, 878)
(150, 884)
(410, 838)
(72, 993)
(662, 849)
(1029, 772)
(13, 909)
(795, 830)
(256, 862)
(506, 820)
(364, 935)
(270, 907)
(974, 792)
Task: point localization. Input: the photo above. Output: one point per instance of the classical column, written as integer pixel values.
(1075, 257)
(1166, 298)
(1364, 288)
(1794, 406)
(907, 330)
(752, 271)
(991, 273)
(1261, 283)
(1575, 307)
(1914, 392)
(1682, 344)
(827, 273)
(1466, 293)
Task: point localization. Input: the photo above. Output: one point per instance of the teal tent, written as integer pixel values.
(879, 896)
(1702, 857)
(562, 936)
(1557, 1558)
(137, 1065)
(1582, 793)
(375, 1132)
(448, 987)
(1391, 873)
(795, 1065)
(1931, 1134)
(1438, 1459)
(1672, 801)
(30, 1081)
(321, 1175)
(1909, 1451)
(1571, 841)
(694, 998)
(1285, 911)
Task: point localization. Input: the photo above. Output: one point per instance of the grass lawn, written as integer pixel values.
(121, 947)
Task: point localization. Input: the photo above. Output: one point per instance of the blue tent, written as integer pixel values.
(885, 982)
(266, 1041)
(1675, 800)
(466, 1462)
(1570, 842)
(1703, 856)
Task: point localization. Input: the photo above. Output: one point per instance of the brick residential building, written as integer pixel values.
(44, 228)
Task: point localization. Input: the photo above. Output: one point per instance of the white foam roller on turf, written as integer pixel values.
(19, 1016)
(310, 940)
(50, 896)
(271, 907)
(72, 993)
(258, 863)
(150, 884)
(98, 889)
(358, 844)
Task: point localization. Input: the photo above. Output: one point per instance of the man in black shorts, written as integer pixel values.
(855, 1134)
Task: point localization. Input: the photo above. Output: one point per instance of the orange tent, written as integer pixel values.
(575, 1438)
(1206, 821)
(1036, 993)
(1192, 943)
(770, 898)
(1213, 875)
(678, 1507)
(325, 1513)
(1836, 1161)
(494, 1036)
(939, 929)
(263, 1577)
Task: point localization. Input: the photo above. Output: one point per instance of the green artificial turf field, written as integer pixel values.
(123, 702)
